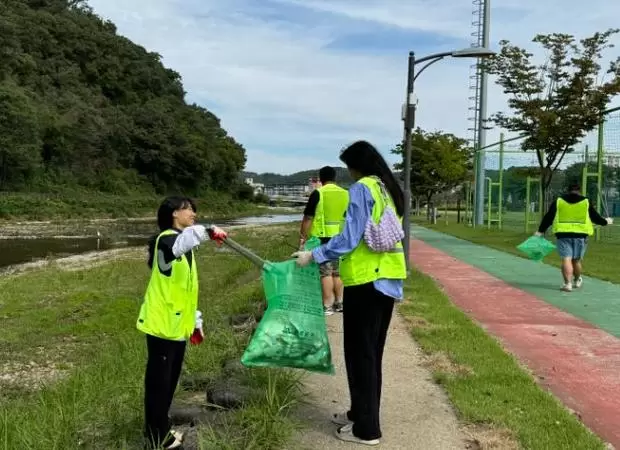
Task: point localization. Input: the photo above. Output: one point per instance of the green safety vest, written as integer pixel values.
(362, 265)
(330, 211)
(170, 303)
(573, 218)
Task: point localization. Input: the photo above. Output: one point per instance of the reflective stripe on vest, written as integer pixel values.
(328, 219)
(362, 265)
(169, 307)
(573, 217)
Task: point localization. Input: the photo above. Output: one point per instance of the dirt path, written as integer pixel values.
(415, 412)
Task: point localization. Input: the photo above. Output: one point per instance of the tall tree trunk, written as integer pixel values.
(429, 213)
(546, 176)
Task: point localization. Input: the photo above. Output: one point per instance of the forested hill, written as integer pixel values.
(342, 177)
(82, 106)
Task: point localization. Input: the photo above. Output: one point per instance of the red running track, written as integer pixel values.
(577, 362)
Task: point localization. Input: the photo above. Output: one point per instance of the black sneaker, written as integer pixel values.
(338, 307)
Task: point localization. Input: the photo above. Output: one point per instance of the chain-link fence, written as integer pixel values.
(513, 196)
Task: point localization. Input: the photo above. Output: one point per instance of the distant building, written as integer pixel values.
(292, 190)
(259, 188)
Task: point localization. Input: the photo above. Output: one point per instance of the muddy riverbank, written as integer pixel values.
(36, 242)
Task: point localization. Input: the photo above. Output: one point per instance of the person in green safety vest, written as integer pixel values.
(572, 218)
(168, 315)
(324, 219)
(373, 282)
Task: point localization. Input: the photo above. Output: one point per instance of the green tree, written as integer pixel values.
(19, 135)
(439, 162)
(574, 174)
(83, 106)
(557, 103)
(343, 177)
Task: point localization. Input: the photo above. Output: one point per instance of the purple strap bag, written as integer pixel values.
(383, 236)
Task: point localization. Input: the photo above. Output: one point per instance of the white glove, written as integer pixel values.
(609, 220)
(538, 234)
(198, 324)
(303, 258)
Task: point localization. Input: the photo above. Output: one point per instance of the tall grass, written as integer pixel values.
(80, 327)
(89, 204)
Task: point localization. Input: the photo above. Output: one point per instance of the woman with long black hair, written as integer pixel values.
(168, 314)
(372, 269)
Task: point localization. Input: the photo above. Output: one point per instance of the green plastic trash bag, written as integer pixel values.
(292, 332)
(536, 247)
(312, 243)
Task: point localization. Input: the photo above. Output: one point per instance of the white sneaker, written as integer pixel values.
(345, 433)
(568, 287)
(177, 434)
(178, 440)
(341, 419)
(328, 310)
(176, 444)
(578, 282)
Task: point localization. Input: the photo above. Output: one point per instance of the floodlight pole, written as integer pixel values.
(481, 125)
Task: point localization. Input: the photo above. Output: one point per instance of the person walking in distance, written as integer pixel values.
(324, 218)
(373, 270)
(169, 314)
(572, 217)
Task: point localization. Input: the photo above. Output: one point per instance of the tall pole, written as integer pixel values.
(500, 200)
(482, 115)
(409, 119)
(599, 173)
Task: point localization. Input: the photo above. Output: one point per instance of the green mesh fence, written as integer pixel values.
(513, 197)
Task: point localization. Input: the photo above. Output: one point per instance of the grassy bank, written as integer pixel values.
(601, 259)
(488, 388)
(88, 205)
(73, 332)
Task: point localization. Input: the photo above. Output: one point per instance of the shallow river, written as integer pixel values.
(83, 238)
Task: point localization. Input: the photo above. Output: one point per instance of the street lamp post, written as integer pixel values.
(408, 117)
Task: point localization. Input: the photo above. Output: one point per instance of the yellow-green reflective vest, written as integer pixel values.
(329, 216)
(573, 217)
(362, 265)
(170, 303)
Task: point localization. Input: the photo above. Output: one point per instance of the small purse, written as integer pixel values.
(383, 236)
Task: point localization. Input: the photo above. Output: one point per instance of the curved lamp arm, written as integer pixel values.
(438, 58)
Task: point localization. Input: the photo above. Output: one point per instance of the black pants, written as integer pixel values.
(163, 368)
(366, 319)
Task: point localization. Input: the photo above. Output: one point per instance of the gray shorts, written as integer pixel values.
(573, 248)
(330, 269)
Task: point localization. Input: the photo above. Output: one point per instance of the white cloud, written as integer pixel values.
(293, 101)
(439, 16)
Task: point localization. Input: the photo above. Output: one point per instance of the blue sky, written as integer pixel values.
(296, 80)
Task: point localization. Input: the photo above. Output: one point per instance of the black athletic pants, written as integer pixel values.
(163, 368)
(366, 319)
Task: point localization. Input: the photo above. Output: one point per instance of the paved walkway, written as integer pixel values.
(569, 340)
(415, 412)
